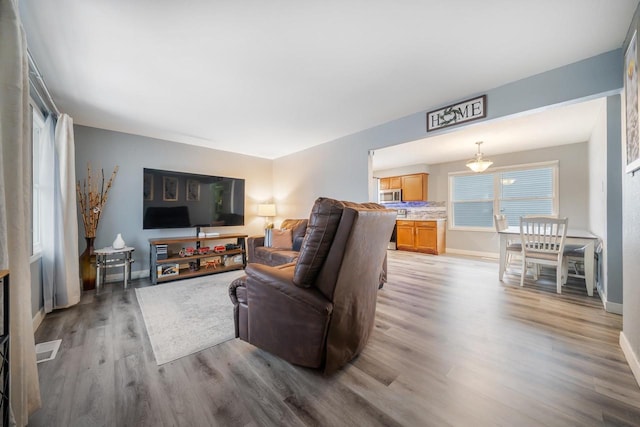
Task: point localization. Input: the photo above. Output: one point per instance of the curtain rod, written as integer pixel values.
(35, 72)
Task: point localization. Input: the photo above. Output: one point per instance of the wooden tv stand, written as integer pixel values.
(199, 264)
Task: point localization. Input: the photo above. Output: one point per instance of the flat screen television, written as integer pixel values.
(180, 200)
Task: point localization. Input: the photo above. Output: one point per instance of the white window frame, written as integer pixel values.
(38, 121)
(553, 164)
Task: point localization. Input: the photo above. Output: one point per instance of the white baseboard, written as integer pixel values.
(609, 307)
(38, 318)
(473, 253)
(613, 307)
(119, 277)
(632, 358)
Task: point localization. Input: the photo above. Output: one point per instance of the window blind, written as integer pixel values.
(514, 193)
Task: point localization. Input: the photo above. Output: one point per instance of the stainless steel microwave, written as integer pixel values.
(390, 196)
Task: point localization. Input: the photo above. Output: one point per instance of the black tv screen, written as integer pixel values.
(180, 199)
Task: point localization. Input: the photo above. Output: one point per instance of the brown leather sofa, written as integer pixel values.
(258, 252)
(319, 311)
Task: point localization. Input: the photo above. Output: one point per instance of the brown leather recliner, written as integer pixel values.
(257, 252)
(319, 311)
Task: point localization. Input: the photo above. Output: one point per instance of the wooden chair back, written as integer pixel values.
(543, 235)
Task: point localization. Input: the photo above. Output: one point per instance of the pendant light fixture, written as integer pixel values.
(479, 163)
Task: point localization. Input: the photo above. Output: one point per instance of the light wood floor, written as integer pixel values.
(452, 346)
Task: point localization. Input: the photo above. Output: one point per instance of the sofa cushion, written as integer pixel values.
(281, 239)
(323, 223)
(280, 257)
(273, 256)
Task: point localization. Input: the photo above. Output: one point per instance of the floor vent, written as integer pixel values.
(47, 350)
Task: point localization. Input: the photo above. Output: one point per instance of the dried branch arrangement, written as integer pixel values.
(91, 199)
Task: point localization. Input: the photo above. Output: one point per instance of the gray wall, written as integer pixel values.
(631, 248)
(573, 177)
(123, 210)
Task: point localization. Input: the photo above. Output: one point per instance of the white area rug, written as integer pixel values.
(187, 316)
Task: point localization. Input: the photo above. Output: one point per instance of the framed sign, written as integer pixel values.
(631, 105)
(454, 114)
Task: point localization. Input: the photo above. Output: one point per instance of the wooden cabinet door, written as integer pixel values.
(414, 187)
(384, 183)
(395, 182)
(405, 236)
(426, 237)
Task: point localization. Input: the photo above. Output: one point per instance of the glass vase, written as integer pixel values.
(88, 266)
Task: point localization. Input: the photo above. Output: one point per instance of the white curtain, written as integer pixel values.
(60, 277)
(15, 209)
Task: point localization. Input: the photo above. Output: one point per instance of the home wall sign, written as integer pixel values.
(454, 114)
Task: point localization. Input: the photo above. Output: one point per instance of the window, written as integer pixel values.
(472, 200)
(37, 133)
(512, 191)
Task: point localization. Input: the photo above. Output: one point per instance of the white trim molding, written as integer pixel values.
(38, 318)
(609, 307)
(479, 254)
(613, 307)
(632, 358)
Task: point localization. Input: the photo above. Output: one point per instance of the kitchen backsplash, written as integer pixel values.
(421, 210)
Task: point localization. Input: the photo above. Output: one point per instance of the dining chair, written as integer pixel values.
(501, 223)
(543, 241)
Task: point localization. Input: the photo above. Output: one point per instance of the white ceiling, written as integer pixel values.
(554, 126)
(268, 78)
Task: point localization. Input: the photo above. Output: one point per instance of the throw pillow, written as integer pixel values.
(281, 239)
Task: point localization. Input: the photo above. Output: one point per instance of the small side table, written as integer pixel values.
(110, 257)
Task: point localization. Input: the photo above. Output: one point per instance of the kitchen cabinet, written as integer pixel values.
(414, 187)
(391, 182)
(421, 236)
(405, 235)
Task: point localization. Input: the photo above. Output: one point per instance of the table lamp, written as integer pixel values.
(267, 210)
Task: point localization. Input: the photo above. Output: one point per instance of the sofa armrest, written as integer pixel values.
(264, 281)
(283, 319)
(252, 243)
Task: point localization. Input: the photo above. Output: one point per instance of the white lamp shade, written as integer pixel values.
(267, 210)
(479, 165)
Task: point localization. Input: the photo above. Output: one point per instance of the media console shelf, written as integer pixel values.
(173, 266)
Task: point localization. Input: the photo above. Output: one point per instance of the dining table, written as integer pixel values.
(575, 236)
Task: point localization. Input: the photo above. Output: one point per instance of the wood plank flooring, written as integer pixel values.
(452, 346)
